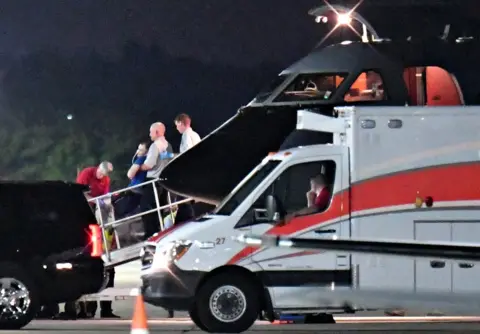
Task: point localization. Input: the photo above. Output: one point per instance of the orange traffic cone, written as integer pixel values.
(139, 321)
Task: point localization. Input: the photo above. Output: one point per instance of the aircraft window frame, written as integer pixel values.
(306, 94)
(365, 71)
(267, 91)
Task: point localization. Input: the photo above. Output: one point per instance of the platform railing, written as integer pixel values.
(131, 218)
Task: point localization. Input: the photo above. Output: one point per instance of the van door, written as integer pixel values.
(289, 273)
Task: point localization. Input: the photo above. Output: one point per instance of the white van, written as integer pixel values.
(390, 176)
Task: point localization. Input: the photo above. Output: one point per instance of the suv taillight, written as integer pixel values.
(95, 240)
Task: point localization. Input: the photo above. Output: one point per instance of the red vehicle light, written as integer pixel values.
(95, 240)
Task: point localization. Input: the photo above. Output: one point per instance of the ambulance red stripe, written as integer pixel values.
(446, 183)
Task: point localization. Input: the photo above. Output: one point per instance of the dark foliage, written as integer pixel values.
(59, 113)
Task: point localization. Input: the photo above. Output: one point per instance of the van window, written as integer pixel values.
(292, 185)
(367, 87)
(232, 201)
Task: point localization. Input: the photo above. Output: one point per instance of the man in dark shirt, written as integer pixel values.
(135, 174)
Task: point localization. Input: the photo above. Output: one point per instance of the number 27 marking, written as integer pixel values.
(220, 241)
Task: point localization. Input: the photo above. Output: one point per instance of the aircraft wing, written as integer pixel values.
(358, 297)
(425, 249)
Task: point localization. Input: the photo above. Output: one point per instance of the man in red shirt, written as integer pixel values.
(318, 198)
(96, 178)
(99, 182)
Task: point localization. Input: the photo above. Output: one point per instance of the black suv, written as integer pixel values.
(50, 248)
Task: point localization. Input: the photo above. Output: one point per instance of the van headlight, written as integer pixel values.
(172, 252)
(178, 249)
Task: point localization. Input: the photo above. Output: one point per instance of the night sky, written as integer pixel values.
(209, 30)
(245, 32)
(139, 84)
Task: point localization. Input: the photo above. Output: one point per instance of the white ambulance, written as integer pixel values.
(394, 173)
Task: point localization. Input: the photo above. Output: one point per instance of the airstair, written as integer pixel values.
(128, 231)
(123, 238)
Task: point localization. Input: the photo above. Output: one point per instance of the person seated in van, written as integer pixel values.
(318, 198)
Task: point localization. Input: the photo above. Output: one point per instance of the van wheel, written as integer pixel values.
(19, 298)
(193, 313)
(232, 301)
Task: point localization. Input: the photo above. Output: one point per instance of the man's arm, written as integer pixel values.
(137, 164)
(189, 142)
(83, 178)
(106, 188)
(192, 140)
(132, 171)
(151, 159)
(318, 204)
(196, 139)
(304, 212)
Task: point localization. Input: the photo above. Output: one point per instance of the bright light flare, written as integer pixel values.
(344, 19)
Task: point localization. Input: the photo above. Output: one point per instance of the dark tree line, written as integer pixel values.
(59, 113)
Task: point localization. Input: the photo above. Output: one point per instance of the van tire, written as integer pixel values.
(223, 290)
(193, 313)
(20, 280)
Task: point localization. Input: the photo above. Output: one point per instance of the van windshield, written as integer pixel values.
(232, 201)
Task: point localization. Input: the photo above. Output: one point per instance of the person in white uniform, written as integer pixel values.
(190, 138)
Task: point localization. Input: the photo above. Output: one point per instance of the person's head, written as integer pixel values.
(104, 169)
(157, 130)
(142, 149)
(182, 122)
(317, 182)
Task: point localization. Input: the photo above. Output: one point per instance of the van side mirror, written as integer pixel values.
(260, 215)
(274, 208)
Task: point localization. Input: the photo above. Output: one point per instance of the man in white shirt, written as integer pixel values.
(190, 138)
(153, 165)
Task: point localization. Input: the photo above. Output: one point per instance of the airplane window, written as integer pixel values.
(267, 91)
(367, 87)
(432, 86)
(312, 86)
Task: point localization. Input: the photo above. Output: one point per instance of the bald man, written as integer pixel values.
(153, 165)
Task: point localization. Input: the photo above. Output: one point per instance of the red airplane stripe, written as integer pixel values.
(454, 182)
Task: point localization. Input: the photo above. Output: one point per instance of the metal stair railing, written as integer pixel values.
(112, 223)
